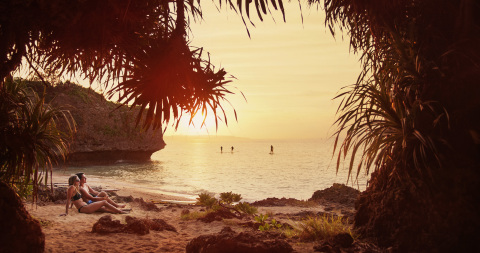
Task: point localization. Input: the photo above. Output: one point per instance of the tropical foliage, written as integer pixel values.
(412, 117)
(226, 201)
(323, 227)
(416, 67)
(139, 50)
(30, 139)
(264, 224)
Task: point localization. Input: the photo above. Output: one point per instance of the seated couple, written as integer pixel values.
(78, 193)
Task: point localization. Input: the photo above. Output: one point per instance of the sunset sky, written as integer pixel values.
(289, 72)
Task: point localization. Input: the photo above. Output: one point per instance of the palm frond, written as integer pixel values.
(31, 140)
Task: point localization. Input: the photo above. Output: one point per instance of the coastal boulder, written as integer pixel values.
(106, 225)
(19, 232)
(153, 224)
(147, 206)
(229, 241)
(337, 193)
(105, 133)
(57, 195)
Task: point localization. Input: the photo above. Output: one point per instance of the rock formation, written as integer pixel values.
(229, 241)
(19, 232)
(106, 225)
(105, 132)
(338, 193)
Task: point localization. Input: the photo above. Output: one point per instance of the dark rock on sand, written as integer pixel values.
(147, 206)
(124, 199)
(153, 224)
(106, 225)
(57, 195)
(219, 215)
(229, 241)
(19, 232)
(338, 193)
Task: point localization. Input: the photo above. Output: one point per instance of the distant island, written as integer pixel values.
(105, 133)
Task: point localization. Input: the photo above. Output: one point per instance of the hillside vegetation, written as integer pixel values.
(105, 132)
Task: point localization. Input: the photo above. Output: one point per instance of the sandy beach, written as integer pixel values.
(73, 233)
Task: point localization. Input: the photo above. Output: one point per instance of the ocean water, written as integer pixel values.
(189, 166)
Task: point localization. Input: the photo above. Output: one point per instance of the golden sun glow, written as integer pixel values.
(200, 124)
(288, 72)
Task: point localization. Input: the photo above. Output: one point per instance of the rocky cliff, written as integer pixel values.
(105, 133)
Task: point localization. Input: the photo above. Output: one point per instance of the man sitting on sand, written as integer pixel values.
(74, 196)
(89, 195)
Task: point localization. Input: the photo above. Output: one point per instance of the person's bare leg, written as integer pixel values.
(95, 206)
(110, 208)
(104, 194)
(115, 204)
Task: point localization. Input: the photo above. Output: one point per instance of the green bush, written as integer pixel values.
(265, 225)
(229, 197)
(226, 201)
(207, 200)
(246, 208)
(324, 227)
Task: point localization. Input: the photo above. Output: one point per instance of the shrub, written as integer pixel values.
(246, 208)
(207, 200)
(265, 225)
(324, 227)
(229, 197)
(225, 201)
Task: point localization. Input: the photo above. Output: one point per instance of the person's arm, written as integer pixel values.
(86, 195)
(92, 191)
(69, 197)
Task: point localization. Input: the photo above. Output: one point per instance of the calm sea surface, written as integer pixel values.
(188, 167)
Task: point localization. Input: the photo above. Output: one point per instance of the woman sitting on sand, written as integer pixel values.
(89, 195)
(74, 195)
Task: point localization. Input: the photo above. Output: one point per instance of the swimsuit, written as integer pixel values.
(91, 201)
(77, 196)
(81, 208)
